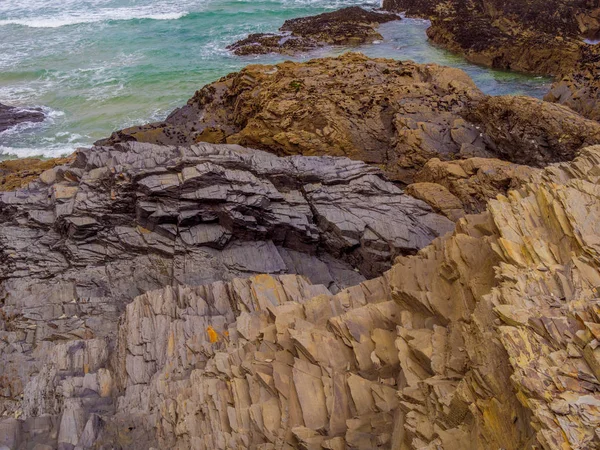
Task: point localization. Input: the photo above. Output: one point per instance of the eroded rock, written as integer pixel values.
(487, 338)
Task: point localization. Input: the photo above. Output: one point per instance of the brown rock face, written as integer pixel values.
(487, 338)
(579, 91)
(532, 132)
(18, 173)
(347, 26)
(472, 181)
(390, 113)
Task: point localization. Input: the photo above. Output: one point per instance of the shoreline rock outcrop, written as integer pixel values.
(545, 38)
(347, 26)
(487, 338)
(11, 116)
(394, 114)
(161, 291)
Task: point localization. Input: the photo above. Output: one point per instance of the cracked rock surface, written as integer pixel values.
(487, 338)
(81, 242)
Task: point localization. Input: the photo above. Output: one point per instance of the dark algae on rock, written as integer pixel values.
(546, 38)
(347, 26)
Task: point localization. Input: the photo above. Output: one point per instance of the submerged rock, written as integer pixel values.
(11, 116)
(347, 26)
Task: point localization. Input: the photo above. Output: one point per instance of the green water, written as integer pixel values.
(99, 65)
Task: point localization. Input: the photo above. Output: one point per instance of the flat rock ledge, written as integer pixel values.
(347, 26)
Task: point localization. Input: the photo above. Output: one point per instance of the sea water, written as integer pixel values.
(96, 66)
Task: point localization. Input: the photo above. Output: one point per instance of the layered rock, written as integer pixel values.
(394, 114)
(461, 187)
(11, 116)
(532, 132)
(347, 26)
(86, 238)
(487, 338)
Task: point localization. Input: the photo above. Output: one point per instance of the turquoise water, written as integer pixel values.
(99, 65)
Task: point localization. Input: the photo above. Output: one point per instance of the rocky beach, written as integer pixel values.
(335, 252)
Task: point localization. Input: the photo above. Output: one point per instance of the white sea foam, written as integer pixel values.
(49, 151)
(103, 15)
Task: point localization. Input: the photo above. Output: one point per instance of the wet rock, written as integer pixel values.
(347, 26)
(545, 38)
(11, 116)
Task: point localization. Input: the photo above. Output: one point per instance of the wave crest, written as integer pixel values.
(121, 14)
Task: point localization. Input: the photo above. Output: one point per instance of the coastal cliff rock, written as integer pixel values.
(461, 187)
(487, 338)
(579, 90)
(11, 116)
(346, 26)
(530, 131)
(396, 115)
(77, 245)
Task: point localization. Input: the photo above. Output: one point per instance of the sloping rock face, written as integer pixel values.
(396, 115)
(464, 186)
(347, 26)
(17, 173)
(11, 116)
(530, 131)
(579, 90)
(487, 338)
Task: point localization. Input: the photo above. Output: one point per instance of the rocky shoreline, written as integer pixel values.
(523, 36)
(346, 253)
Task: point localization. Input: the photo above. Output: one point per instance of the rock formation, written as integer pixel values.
(347, 26)
(531, 36)
(487, 338)
(16, 173)
(171, 288)
(394, 114)
(11, 116)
